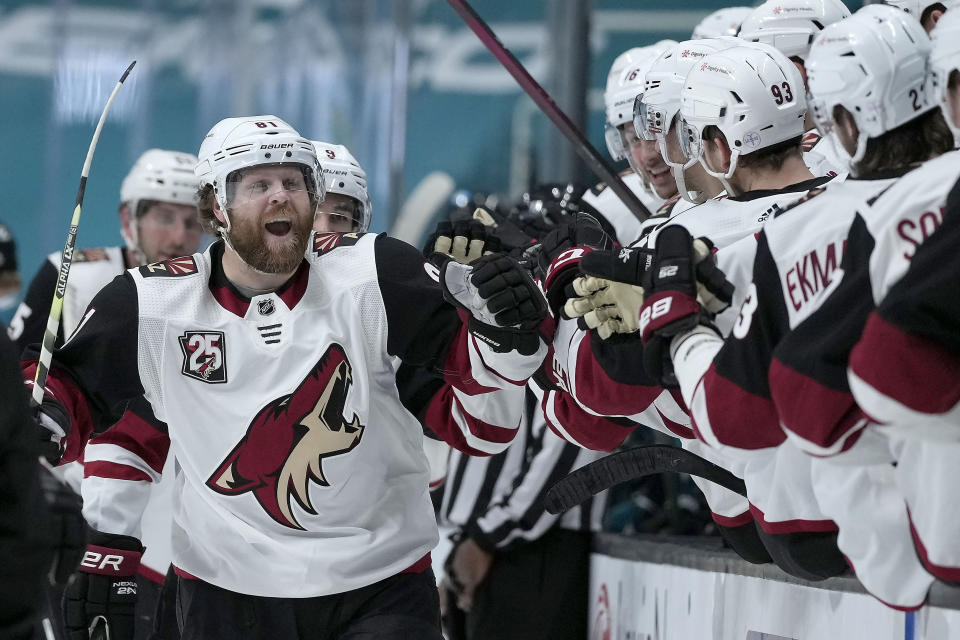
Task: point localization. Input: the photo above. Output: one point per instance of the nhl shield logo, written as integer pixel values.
(204, 356)
(265, 307)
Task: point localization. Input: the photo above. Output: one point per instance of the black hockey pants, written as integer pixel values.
(403, 607)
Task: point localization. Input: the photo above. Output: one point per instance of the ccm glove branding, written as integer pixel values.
(505, 304)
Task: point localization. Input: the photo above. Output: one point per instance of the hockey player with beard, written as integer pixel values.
(302, 508)
(159, 220)
(881, 55)
(882, 241)
(791, 26)
(649, 178)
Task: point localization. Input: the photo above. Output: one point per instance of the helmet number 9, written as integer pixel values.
(264, 125)
(786, 95)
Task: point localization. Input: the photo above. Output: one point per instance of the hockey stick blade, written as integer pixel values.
(538, 94)
(640, 462)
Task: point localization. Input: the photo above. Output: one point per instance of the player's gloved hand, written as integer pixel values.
(104, 590)
(505, 305)
(671, 305)
(560, 252)
(66, 530)
(463, 241)
(609, 297)
(52, 425)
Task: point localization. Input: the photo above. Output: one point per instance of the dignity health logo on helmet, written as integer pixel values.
(240, 143)
(874, 65)
(752, 93)
(655, 110)
(791, 25)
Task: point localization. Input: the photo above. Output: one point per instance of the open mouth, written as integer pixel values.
(279, 227)
(659, 174)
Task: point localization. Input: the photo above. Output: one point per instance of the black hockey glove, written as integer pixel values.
(104, 590)
(463, 241)
(66, 530)
(670, 306)
(559, 254)
(52, 425)
(505, 305)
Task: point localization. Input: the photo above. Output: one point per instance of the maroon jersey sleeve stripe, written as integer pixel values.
(737, 417)
(139, 437)
(596, 433)
(913, 371)
(114, 471)
(818, 414)
(596, 389)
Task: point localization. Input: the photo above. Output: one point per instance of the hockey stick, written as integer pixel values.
(635, 463)
(66, 259)
(539, 95)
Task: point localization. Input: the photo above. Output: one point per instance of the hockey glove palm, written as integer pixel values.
(463, 241)
(104, 590)
(506, 307)
(609, 297)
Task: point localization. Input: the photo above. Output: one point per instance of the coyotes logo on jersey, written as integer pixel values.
(285, 445)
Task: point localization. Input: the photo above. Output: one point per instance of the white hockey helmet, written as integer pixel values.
(239, 143)
(657, 107)
(161, 176)
(791, 25)
(624, 82)
(722, 22)
(914, 7)
(944, 59)
(874, 65)
(752, 93)
(343, 174)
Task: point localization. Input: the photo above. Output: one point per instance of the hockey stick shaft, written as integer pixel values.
(640, 462)
(66, 257)
(538, 94)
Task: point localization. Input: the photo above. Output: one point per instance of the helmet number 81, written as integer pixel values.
(786, 95)
(264, 125)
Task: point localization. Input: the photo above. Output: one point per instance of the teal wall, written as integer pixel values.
(325, 67)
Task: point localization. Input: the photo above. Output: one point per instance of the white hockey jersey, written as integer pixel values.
(823, 157)
(301, 467)
(609, 205)
(607, 379)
